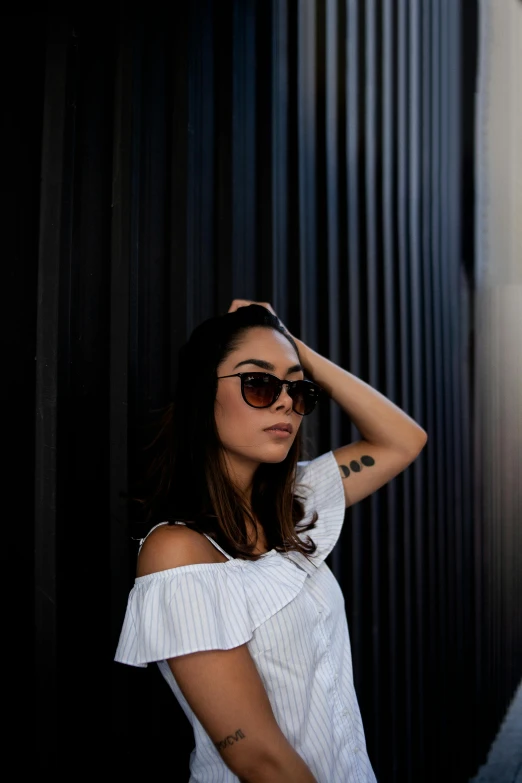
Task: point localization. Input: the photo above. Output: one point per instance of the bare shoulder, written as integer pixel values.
(172, 546)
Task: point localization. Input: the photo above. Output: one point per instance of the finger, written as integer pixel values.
(236, 303)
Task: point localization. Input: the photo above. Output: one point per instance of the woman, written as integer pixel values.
(233, 599)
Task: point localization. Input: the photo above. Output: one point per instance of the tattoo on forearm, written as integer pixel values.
(356, 466)
(230, 740)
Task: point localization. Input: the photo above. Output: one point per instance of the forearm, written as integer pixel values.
(289, 768)
(378, 419)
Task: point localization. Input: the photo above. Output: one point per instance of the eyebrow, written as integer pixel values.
(267, 366)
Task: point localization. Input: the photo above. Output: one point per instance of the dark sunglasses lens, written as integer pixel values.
(260, 390)
(304, 396)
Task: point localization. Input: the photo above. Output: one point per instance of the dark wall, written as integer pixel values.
(314, 155)
(22, 54)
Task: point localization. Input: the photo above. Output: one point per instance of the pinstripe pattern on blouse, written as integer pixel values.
(290, 612)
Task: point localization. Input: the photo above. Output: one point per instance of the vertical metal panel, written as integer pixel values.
(372, 323)
(389, 142)
(280, 192)
(448, 446)
(121, 211)
(182, 134)
(306, 187)
(417, 374)
(332, 198)
(53, 246)
(438, 433)
(459, 430)
(150, 305)
(22, 75)
(353, 134)
(200, 166)
(431, 660)
(454, 155)
(403, 142)
(244, 149)
(467, 100)
(306, 113)
(223, 115)
(354, 305)
(267, 103)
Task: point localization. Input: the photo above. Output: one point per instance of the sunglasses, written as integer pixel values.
(261, 390)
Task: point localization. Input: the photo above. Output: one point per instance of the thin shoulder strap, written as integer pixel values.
(179, 522)
(142, 540)
(218, 547)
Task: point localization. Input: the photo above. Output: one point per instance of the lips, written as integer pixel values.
(280, 427)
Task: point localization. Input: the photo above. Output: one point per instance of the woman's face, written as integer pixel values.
(242, 428)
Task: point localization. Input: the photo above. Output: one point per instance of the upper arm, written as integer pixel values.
(365, 467)
(222, 687)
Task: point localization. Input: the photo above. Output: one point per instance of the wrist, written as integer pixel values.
(304, 355)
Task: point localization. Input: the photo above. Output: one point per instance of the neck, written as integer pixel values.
(242, 475)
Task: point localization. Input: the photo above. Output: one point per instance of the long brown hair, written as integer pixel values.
(186, 478)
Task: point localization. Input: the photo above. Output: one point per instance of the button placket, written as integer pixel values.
(343, 712)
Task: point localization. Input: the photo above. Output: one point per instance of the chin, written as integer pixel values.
(275, 455)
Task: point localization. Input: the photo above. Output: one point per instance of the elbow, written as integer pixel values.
(423, 439)
(420, 442)
(415, 446)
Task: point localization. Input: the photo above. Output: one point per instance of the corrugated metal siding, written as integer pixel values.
(314, 155)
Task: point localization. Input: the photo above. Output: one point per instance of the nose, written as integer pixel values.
(284, 400)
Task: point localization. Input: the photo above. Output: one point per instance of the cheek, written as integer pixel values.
(233, 416)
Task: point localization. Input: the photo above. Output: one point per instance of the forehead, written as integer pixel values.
(266, 344)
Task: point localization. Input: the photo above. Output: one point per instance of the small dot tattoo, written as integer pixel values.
(356, 466)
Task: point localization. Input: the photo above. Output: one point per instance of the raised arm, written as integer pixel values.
(391, 439)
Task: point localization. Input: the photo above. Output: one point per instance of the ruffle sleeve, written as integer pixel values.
(218, 606)
(319, 482)
(206, 606)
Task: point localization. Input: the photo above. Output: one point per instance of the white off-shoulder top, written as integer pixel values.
(290, 612)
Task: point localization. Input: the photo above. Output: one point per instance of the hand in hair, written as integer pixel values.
(236, 303)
